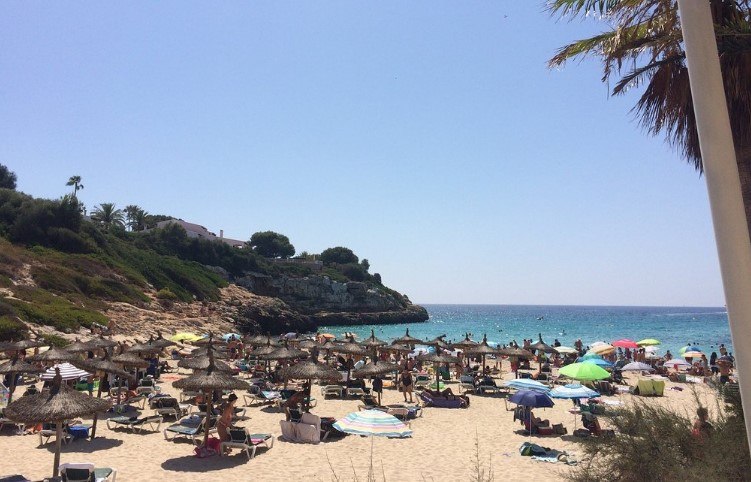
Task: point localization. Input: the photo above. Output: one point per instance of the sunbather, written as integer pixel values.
(447, 393)
(225, 420)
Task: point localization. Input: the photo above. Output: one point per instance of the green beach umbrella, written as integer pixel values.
(584, 372)
(648, 342)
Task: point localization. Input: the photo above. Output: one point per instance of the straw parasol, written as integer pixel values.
(407, 340)
(541, 346)
(350, 347)
(104, 365)
(438, 342)
(465, 344)
(203, 363)
(55, 355)
(286, 353)
(13, 368)
(24, 344)
(398, 348)
(208, 381)
(145, 348)
(307, 345)
(310, 370)
(202, 352)
(437, 358)
(59, 404)
(374, 369)
(77, 346)
(100, 343)
(372, 341)
(516, 351)
(483, 349)
(130, 359)
(161, 342)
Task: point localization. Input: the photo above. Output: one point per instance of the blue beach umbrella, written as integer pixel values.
(527, 384)
(531, 399)
(573, 390)
(599, 362)
(589, 356)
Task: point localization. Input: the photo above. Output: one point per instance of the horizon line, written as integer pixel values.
(723, 307)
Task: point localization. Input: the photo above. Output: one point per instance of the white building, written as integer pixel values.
(198, 231)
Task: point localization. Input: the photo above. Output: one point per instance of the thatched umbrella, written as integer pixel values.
(465, 344)
(59, 404)
(307, 345)
(208, 381)
(130, 359)
(260, 340)
(24, 344)
(541, 347)
(145, 348)
(438, 342)
(375, 368)
(407, 340)
(13, 368)
(437, 358)
(372, 341)
(161, 342)
(310, 370)
(350, 347)
(483, 349)
(209, 340)
(202, 352)
(286, 353)
(104, 365)
(55, 355)
(78, 346)
(203, 363)
(517, 352)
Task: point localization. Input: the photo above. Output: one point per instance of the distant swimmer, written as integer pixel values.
(540, 318)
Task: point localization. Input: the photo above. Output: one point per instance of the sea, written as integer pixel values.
(674, 327)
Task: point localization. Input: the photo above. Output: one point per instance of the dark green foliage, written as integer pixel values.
(12, 329)
(657, 441)
(365, 264)
(377, 278)
(166, 294)
(55, 340)
(354, 271)
(7, 178)
(57, 312)
(339, 254)
(271, 245)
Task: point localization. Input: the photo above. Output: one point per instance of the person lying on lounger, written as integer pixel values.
(447, 394)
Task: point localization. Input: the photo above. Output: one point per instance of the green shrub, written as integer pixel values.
(12, 329)
(166, 294)
(58, 313)
(55, 340)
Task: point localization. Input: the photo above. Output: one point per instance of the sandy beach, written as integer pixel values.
(442, 447)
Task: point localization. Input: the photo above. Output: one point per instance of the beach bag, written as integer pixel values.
(212, 447)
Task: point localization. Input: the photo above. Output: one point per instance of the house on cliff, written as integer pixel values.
(198, 231)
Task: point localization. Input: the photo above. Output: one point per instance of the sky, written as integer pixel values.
(430, 137)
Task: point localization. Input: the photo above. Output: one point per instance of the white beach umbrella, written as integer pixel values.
(67, 371)
(565, 349)
(677, 363)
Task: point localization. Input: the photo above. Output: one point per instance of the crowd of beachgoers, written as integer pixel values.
(108, 404)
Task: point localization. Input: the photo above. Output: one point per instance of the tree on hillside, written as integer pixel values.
(339, 254)
(75, 181)
(365, 264)
(136, 217)
(108, 216)
(643, 46)
(271, 245)
(7, 178)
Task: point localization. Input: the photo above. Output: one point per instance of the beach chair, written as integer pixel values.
(135, 424)
(13, 478)
(49, 432)
(332, 391)
(190, 429)
(355, 392)
(255, 395)
(247, 442)
(86, 473)
(169, 407)
(423, 381)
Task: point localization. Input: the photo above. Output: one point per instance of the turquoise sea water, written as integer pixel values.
(674, 327)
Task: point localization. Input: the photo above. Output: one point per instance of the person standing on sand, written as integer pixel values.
(406, 383)
(225, 420)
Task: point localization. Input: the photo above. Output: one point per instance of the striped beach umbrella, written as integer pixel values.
(573, 390)
(527, 384)
(374, 423)
(67, 371)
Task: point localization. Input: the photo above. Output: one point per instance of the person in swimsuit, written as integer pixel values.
(225, 420)
(406, 383)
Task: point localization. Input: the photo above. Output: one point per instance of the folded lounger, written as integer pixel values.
(135, 424)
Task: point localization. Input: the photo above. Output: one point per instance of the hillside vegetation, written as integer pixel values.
(59, 269)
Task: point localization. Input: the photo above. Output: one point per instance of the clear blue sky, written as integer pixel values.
(428, 136)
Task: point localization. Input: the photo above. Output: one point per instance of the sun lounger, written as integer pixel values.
(439, 402)
(355, 392)
(13, 478)
(248, 442)
(255, 394)
(189, 428)
(332, 391)
(135, 424)
(169, 407)
(86, 473)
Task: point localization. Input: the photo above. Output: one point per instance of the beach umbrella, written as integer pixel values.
(130, 359)
(310, 370)
(482, 349)
(307, 345)
(648, 342)
(541, 346)
(100, 343)
(589, 355)
(527, 384)
(104, 365)
(465, 344)
(566, 350)
(693, 354)
(573, 390)
(374, 423)
(438, 342)
(78, 346)
(144, 348)
(531, 399)
(228, 336)
(219, 352)
(203, 362)
(438, 357)
(59, 404)
(636, 367)
(599, 362)
(372, 341)
(55, 355)
(676, 363)
(407, 340)
(584, 371)
(517, 352)
(263, 351)
(725, 360)
(603, 349)
(374, 369)
(625, 343)
(208, 381)
(286, 353)
(15, 367)
(26, 344)
(66, 371)
(350, 347)
(398, 348)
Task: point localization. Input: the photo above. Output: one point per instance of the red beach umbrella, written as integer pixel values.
(625, 343)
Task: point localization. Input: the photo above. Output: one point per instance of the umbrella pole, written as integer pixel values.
(307, 398)
(11, 387)
(96, 414)
(209, 413)
(58, 447)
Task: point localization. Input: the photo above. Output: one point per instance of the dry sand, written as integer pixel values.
(442, 448)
